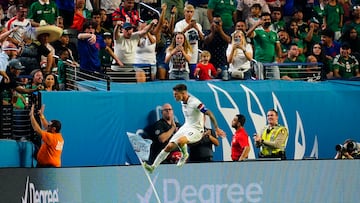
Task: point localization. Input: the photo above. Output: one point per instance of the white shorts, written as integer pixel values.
(192, 134)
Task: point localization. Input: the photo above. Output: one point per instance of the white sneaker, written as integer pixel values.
(148, 168)
(182, 160)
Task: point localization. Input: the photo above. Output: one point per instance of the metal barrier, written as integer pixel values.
(305, 71)
(82, 80)
(130, 73)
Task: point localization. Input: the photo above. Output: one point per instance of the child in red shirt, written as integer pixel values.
(204, 69)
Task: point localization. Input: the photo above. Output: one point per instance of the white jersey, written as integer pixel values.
(193, 127)
(193, 116)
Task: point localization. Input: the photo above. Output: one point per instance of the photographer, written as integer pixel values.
(348, 150)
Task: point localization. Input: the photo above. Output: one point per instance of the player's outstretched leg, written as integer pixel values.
(184, 157)
(160, 158)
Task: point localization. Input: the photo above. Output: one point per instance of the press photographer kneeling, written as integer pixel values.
(348, 150)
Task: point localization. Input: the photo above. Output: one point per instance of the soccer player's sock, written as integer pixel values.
(160, 158)
(183, 149)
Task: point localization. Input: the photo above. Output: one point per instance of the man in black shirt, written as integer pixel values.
(160, 133)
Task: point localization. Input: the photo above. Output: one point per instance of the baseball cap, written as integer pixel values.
(127, 25)
(15, 63)
(107, 34)
(345, 45)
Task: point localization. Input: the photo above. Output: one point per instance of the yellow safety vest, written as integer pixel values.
(271, 136)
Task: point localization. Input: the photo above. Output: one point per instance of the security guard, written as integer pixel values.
(273, 139)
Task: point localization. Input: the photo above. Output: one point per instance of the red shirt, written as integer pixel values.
(239, 141)
(206, 71)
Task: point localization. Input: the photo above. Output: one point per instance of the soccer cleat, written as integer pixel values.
(182, 160)
(148, 168)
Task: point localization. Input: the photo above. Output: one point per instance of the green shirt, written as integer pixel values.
(264, 43)
(224, 9)
(333, 15)
(38, 12)
(347, 67)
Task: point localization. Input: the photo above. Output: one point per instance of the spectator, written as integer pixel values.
(37, 78)
(64, 42)
(255, 15)
(355, 22)
(193, 33)
(291, 72)
(241, 25)
(81, 15)
(51, 83)
(318, 51)
(161, 132)
(298, 17)
(243, 8)
(127, 41)
(61, 67)
(21, 23)
(352, 38)
(204, 69)
(104, 19)
(126, 13)
(145, 52)
(178, 5)
(333, 18)
(273, 139)
(105, 57)
(163, 41)
(345, 66)
(10, 9)
(240, 146)
(266, 44)
(313, 36)
(50, 151)
(8, 51)
(6, 88)
(178, 55)
(330, 46)
(46, 34)
(277, 20)
(200, 14)
(109, 6)
(43, 10)
(318, 11)
(286, 41)
(96, 16)
(202, 151)
(89, 45)
(30, 54)
(239, 54)
(226, 10)
(216, 42)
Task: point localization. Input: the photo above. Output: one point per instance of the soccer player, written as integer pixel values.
(192, 130)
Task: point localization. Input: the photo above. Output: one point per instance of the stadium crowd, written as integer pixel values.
(196, 39)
